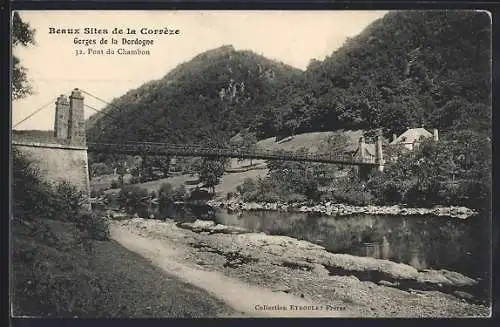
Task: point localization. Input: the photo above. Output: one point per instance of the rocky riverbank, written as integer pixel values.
(366, 286)
(339, 209)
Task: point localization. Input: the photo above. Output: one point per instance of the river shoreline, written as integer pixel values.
(367, 287)
(340, 209)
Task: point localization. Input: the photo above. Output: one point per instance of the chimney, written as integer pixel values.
(435, 135)
(394, 137)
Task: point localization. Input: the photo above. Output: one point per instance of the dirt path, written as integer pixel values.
(248, 299)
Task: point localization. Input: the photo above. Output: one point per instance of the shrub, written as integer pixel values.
(34, 198)
(96, 227)
(165, 198)
(133, 199)
(67, 201)
(111, 198)
(180, 193)
(115, 184)
(50, 266)
(353, 197)
(99, 169)
(134, 180)
(248, 190)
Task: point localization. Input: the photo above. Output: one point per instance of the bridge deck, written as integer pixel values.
(198, 151)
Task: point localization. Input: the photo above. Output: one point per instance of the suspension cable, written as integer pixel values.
(35, 112)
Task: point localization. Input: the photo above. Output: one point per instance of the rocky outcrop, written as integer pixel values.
(210, 227)
(339, 209)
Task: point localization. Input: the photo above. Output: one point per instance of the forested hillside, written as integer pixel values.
(207, 99)
(407, 69)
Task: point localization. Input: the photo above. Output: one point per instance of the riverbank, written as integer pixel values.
(56, 274)
(133, 287)
(365, 287)
(340, 209)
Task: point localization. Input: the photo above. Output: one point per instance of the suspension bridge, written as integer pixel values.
(69, 130)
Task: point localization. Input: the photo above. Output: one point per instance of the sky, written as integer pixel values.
(292, 37)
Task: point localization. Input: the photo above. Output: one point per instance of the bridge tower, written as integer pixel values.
(62, 118)
(379, 156)
(363, 171)
(76, 124)
(361, 148)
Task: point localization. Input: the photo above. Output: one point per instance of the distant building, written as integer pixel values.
(413, 137)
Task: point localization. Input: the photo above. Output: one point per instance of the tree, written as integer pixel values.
(211, 172)
(325, 173)
(162, 163)
(455, 170)
(150, 163)
(245, 141)
(22, 34)
(293, 177)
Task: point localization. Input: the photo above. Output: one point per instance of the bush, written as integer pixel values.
(95, 227)
(34, 198)
(49, 263)
(166, 198)
(133, 199)
(96, 193)
(180, 193)
(115, 184)
(67, 201)
(454, 171)
(134, 180)
(99, 169)
(353, 197)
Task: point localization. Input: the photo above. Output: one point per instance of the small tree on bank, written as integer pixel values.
(211, 171)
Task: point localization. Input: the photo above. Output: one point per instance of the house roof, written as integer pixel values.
(412, 135)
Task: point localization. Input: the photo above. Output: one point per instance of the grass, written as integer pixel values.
(134, 287)
(228, 182)
(51, 274)
(56, 274)
(309, 141)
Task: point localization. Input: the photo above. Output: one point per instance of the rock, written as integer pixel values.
(445, 277)
(463, 295)
(320, 269)
(353, 278)
(281, 288)
(386, 283)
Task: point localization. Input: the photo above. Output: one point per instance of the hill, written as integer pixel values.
(207, 99)
(406, 69)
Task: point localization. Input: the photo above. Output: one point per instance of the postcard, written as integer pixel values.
(189, 164)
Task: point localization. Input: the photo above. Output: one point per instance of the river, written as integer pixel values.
(424, 242)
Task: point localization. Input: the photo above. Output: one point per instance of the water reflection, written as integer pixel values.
(423, 242)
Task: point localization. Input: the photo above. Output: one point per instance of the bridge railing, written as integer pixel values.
(202, 151)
